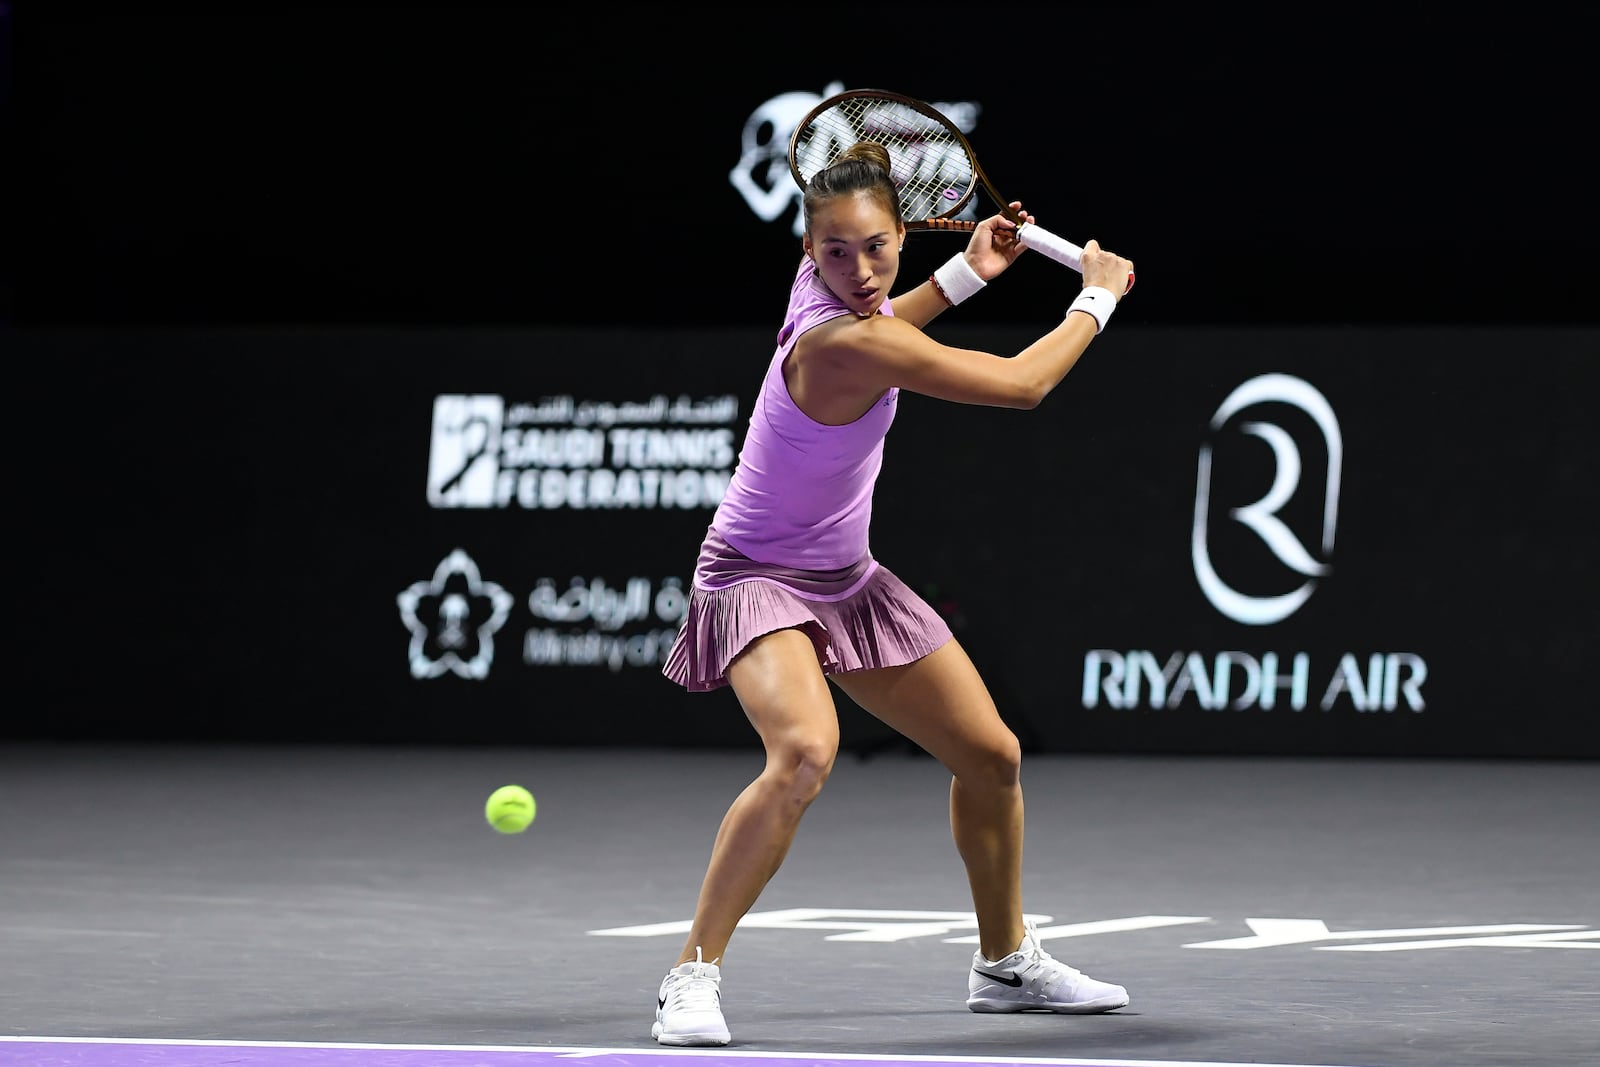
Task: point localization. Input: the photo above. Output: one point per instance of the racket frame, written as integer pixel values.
(1030, 234)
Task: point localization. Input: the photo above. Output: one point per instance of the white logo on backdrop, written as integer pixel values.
(566, 452)
(1261, 516)
(592, 623)
(462, 454)
(453, 617)
(1372, 681)
(762, 175)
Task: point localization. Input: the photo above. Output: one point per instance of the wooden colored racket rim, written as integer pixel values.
(922, 192)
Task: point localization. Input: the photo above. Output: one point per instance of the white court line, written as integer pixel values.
(579, 1052)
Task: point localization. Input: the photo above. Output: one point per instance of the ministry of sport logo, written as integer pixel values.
(453, 617)
(1252, 507)
(585, 621)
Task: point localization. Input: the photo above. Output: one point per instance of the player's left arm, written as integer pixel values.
(921, 305)
(992, 248)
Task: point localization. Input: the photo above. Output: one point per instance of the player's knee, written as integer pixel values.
(998, 762)
(804, 764)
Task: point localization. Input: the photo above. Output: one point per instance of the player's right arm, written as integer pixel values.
(879, 353)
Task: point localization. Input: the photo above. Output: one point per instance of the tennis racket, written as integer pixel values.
(931, 163)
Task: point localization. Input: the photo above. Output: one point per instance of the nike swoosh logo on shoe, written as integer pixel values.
(1010, 980)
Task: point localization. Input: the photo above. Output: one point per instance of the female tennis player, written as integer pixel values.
(788, 597)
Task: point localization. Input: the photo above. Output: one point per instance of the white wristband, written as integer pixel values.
(1096, 302)
(956, 280)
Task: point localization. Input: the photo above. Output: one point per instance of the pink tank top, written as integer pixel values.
(801, 494)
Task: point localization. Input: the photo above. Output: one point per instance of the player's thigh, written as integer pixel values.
(941, 703)
(780, 685)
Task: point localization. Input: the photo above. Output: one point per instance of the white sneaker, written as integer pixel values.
(1030, 979)
(689, 1005)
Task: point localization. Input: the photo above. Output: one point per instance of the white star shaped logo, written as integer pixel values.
(453, 618)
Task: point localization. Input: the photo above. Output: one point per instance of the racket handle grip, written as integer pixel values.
(1057, 248)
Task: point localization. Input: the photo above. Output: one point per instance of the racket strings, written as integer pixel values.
(929, 162)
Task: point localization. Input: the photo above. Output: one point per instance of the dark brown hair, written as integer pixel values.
(863, 167)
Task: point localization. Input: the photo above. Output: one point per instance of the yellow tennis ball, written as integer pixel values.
(510, 809)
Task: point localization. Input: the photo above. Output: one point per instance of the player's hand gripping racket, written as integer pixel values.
(931, 163)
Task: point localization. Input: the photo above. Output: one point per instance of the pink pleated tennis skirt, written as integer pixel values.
(858, 617)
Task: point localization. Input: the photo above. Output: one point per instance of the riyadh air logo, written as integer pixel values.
(1251, 562)
(453, 618)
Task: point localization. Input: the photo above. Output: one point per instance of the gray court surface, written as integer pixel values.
(285, 905)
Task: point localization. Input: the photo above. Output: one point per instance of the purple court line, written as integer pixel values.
(132, 1052)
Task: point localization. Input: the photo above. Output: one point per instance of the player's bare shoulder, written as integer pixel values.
(859, 341)
(849, 358)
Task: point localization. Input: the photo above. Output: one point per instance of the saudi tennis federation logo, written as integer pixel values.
(453, 618)
(463, 456)
(1266, 497)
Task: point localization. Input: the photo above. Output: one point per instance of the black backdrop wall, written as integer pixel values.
(382, 368)
(477, 536)
(498, 165)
